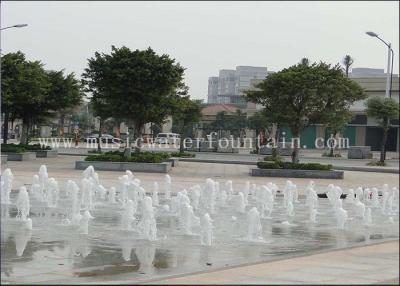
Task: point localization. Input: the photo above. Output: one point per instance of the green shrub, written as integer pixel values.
(376, 163)
(269, 165)
(117, 156)
(273, 159)
(36, 147)
(183, 154)
(20, 148)
(12, 148)
(290, 165)
(95, 152)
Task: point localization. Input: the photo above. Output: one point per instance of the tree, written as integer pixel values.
(139, 86)
(305, 61)
(347, 62)
(302, 95)
(24, 90)
(336, 124)
(384, 110)
(33, 94)
(63, 94)
(188, 112)
(258, 122)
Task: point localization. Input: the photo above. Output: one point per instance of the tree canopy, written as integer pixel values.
(31, 93)
(139, 86)
(383, 109)
(305, 94)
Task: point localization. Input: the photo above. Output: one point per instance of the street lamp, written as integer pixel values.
(390, 63)
(15, 26)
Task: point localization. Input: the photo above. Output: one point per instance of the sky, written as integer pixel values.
(203, 36)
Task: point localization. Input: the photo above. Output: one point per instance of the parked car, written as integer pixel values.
(167, 138)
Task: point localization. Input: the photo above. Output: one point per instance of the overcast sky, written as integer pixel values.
(203, 36)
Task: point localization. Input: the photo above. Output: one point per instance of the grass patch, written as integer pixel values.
(183, 154)
(21, 148)
(376, 163)
(141, 157)
(293, 166)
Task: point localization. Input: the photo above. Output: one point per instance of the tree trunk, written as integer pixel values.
(5, 129)
(181, 149)
(384, 139)
(61, 127)
(25, 131)
(331, 147)
(258, 140)
(295, 153)
(138, 136)
(99, 139)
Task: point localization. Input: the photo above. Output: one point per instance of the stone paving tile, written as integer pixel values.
(362, 269)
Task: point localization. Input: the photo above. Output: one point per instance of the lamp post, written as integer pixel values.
(5, 133)
(389, 72)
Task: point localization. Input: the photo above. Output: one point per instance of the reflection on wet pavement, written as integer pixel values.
(55, 253)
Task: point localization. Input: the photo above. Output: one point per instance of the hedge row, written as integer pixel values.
(290, 165)
(142, 157)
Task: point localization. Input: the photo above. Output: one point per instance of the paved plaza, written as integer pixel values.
(298, 255)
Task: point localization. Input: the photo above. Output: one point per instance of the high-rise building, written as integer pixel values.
(228, 87)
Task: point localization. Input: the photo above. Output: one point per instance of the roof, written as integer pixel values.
(213, 109)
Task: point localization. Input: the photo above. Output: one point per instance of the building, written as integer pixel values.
(229, 86)
(368, 72)
(361, 130)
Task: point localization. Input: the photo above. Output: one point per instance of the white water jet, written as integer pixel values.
(6, 185)
(52, 193)
(266, 202)
(359, 194)
(241, 205)
(367, 220)
(88, 172)
(290, 209)
(43, 179)
(208, 195)
(87, 194)
(84, 223)
(246, 191)
(229, 190)
(188, 219)
(194, 193)
(128, 215)
(350, 197)
(206, 232)
(341, 217)
(254, 227)
(313, 215)
(147, 224)
(288, 193)
(155, 195)
(167, 187)
(312, 199)
(359, 208)
(73, 189)
(23, 204)
(111, 195)
(375, 197)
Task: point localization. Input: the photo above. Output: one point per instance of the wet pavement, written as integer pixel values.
(56, 253)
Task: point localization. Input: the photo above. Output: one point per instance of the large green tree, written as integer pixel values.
(302, 95)
(32, 94)
(258, 122)
(24, 89)
(138, 86)
(63, 95)
(383, 109)
(188, 113)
